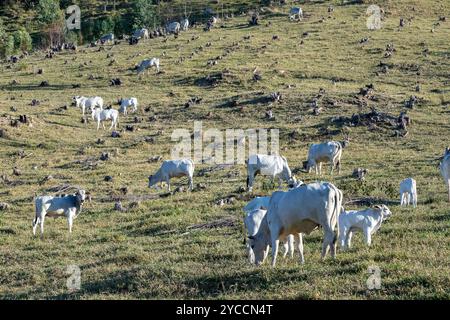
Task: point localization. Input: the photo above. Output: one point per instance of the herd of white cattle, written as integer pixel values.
(285, 215)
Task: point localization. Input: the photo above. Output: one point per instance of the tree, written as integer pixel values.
(22, 40)
(144, 14)
(48, 12)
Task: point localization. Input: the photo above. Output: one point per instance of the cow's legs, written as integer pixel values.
(401, 199)
(342, 238)
(448, 186)
(42, 218)
(367, 236)
(191, 183)
(280, 181)
(300, 247)
(349, 239)
(286, 248)
(275, 245)
(168, 183)
(70, 221)
(328, 240)
(414, 199)
(266, 253)
(35, 223)
(290, 240)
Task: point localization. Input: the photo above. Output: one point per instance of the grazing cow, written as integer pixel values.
(445, 169)
(325, 152)
(297, 211)
(106, 38)
(408, 192)
(147, 64)
(252, 221)
(105, 115)
(140, 34)
(68, 206)
(173, 27)
(184, 24)
(125, 103)
(272, 165)
(367, 221)
(296, 13)
(88, 103)
(173, 168)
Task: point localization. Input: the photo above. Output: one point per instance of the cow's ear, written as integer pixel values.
(378, 207)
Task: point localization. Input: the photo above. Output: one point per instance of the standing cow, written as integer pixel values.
(173, 168)
(325, 152)
(270, 165)
(297, 211)
(173, 27)
(184, 24)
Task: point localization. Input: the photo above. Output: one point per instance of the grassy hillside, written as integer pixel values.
(159, 248)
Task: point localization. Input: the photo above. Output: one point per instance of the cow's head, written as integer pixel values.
(258, 248)
(152, 182)
(292, 182)
(81, 196)
(447, 151)
(76, 100)
(93, 112)
(385, 212)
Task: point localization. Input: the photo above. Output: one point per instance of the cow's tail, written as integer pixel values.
(337, 209)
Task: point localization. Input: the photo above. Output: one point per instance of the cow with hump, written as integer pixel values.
(299, 210)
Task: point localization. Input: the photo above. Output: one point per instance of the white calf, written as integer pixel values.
(368, 221)
(125, 103)
(68, 206)
(88, 103)
(445, 169)
(408, 192)
(105, 115)
(147, 64)
(173, 168)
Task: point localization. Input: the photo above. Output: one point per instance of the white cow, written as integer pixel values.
(141, 34)
(173, 27)
(184, 24)
(173, 168)
(367, 221)
(445, 169)
(128, 102)
(257, 203)
(271, 165)
(68, 206)
(297, 211)
(296, 13)
(147, 64)
(408, 192)
(86, 103)
(252, 221)
(254, 214)
(325, 152)
(105, 115)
